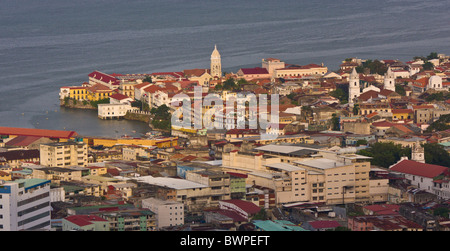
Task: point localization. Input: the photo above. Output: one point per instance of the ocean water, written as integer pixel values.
(47, 44)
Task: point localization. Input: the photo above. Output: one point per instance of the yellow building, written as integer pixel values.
(98, 92)
(5, 175)
(78, 93)
(97, 170)
(127, 89)
(163, 142)
(400, 114)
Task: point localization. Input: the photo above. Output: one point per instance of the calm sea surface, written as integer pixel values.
(47, 44)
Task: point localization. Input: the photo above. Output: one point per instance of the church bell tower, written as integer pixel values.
(216, 65)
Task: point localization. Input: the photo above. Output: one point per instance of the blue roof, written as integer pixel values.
(277, 225)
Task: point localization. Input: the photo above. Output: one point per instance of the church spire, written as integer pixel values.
(216, 65)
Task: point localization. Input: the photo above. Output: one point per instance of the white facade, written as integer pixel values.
(389, 80)
(353, 87)
(25, 205)
(435, 83)
(168, 213)
(107, 111)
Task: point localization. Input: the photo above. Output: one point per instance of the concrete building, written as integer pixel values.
(300, 71)
(114, 111)
(168, 213)
(272, 64)
(84, 223)
(302, 174)
(64, 154)
(25, 205)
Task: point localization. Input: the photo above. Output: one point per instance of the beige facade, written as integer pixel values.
(168, 213)
(307, 70)
(57, 174)
(331, 179)
(272, 64)
(64, 154)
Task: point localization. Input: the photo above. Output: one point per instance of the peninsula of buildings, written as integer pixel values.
(362, 148)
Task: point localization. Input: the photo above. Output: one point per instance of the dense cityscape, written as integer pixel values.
(361, 148)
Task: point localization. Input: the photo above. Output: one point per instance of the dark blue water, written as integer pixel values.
(47, 44)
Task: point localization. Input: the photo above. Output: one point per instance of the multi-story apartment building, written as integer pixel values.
(194, 195)
(130, 220)
(64, 154)
(300, 174)
(168, 213)
(25, 205)
(57, 174)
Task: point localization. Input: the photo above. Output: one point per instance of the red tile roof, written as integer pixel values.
(256, 70)
(104, 77)
(119, 96)
(247, 206)
(84, 220)
(22, 140)
(419, 169)
(324, 224)
(37, 132)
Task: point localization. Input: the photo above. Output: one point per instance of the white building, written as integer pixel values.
(424, 176)
(109, 111)
(168, 213)
(25, 205)
(435, 83)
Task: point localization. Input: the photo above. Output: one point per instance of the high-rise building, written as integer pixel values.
(25, 205)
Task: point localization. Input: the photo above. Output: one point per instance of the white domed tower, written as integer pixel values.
(389, 80)
(216, 65)
(418, 153)
(435, 83)
(354, 89)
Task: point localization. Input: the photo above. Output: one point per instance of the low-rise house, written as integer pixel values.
(84, 223)
(57, 174)
(253, 73)
(423, 176)
(15, 158)
(382, 223)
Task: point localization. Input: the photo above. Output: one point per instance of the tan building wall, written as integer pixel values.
(64, 154)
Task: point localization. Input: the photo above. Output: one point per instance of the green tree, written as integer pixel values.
(400, 89)
(442, 124)
(427, 66)
(335, 123)
(436, 154)
(147, 79)
(433, 55)
(340, 94)
(385, 154)
(161, 117)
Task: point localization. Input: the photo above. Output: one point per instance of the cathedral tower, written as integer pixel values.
(389, 80)
(353, 87)
(418, 153)
(216, 65)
